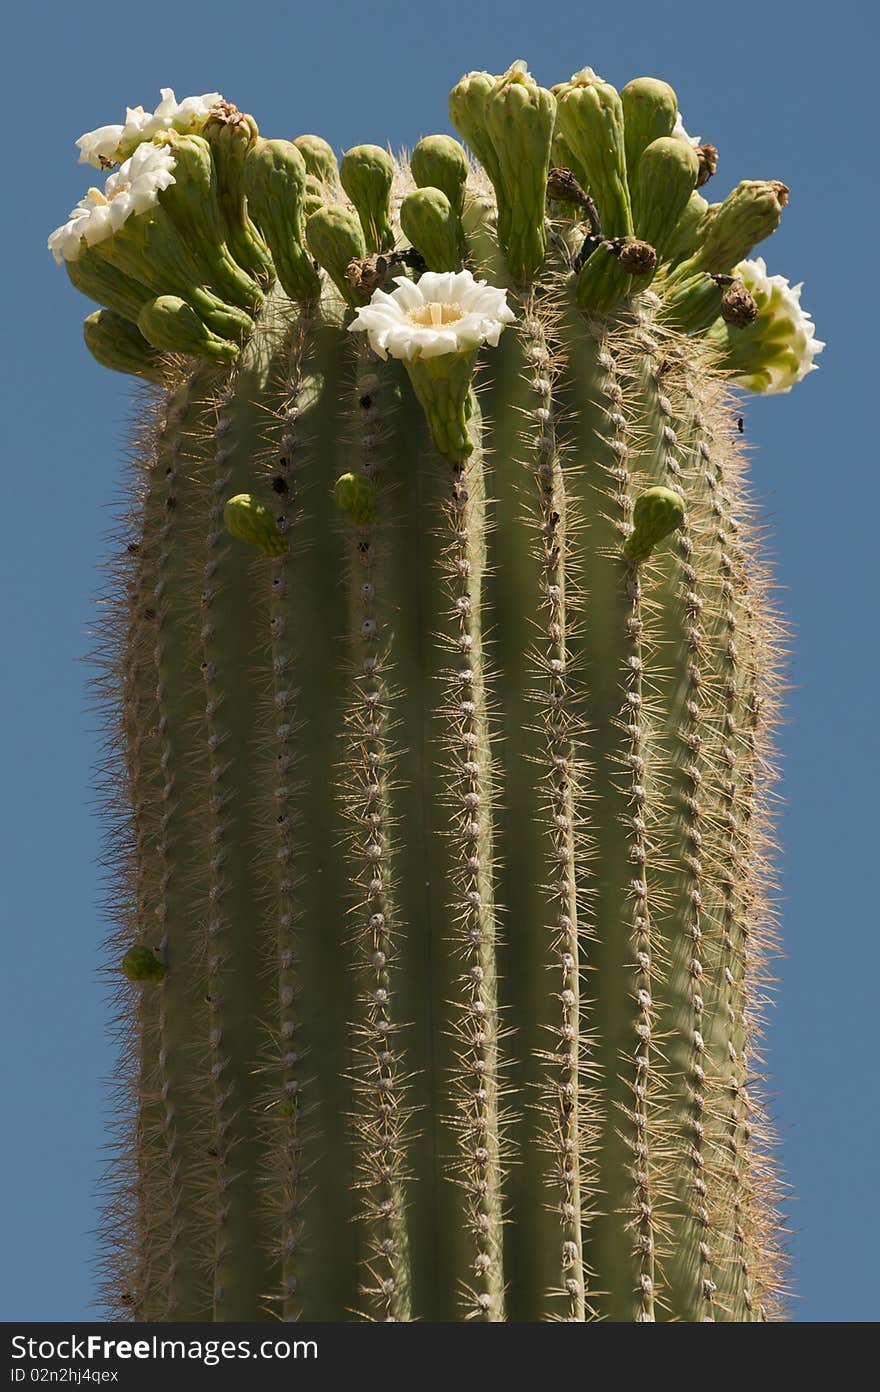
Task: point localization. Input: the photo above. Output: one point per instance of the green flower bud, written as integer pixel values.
(141, 964)
(275, 184)
(602, 281)
(250, 520)
(319, 159)
(193, 206)
(467, 111)
(657, 512)
(231, 134)
(434, 228)
(590, 115)
(149, 248)
(662, 183)
(693, 302)
(366, 174)
(116, 342)
(689, 229)
(315, 196)
(439, 162)
(749, 214)
(173, 326)
(356, 496)
(649, 111)
(106, 285)
(442, 385)
(519, 121)
(334, 237)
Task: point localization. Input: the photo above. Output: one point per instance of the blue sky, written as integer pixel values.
(784, 93)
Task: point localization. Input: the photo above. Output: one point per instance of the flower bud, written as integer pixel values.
(107, 285)
(519, 121)
(116, 342)
(173, 326)
(661, 185)
(334, 237)
(602, 281)
(657, 512)
(693, 302)
(251, 521)
(649, 111)
(193, 206)
(689, 229)
(356, 496)
(590, 116)
(748, 215)
(275, 184)
(366, 174)
(439, 162)
(319, 159)
(467, 111)
(429, 221)
(141, 964)
(231, 134)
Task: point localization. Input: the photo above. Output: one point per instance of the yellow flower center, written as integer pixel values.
(435, 314)
(95, 195)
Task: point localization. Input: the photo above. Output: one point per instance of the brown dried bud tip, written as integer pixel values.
(781, 190)
(738, 306)
(563, 187)
(366, 274)
(225, 115)
(635, 257)
(708, 157)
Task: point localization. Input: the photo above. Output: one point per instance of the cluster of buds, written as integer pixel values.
(202, 214)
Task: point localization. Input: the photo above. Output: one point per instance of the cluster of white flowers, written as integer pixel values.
(132, 189)
(443, 312)
(783, 328)
(108, 145)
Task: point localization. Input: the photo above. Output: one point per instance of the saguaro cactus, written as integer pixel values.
(440, 670)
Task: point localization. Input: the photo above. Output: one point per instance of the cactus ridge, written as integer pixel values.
(442, 806)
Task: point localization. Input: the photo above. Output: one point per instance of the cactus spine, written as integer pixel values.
(443, 682)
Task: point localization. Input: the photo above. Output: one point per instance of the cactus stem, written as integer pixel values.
(380, 1114)
(175, 910)
(287, 1104)
(738, 680)
(241, 997)
(147, 1293)
(475, 1080)
(562, 1089)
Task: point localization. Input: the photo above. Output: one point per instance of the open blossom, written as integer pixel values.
(779, 348)
(134, 188)
(442, 312)
(109, 144)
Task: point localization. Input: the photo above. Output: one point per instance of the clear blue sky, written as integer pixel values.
(784, 92)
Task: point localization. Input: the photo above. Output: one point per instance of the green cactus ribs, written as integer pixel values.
(441, 669)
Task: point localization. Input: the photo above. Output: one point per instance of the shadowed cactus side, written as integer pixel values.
(440, 669)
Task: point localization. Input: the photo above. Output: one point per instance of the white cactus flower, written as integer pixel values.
(134, 188)
(782, 340)
(442, 312)
(680, 133)
(109, 144)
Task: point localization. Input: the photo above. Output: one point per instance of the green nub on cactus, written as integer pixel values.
(442, 673)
